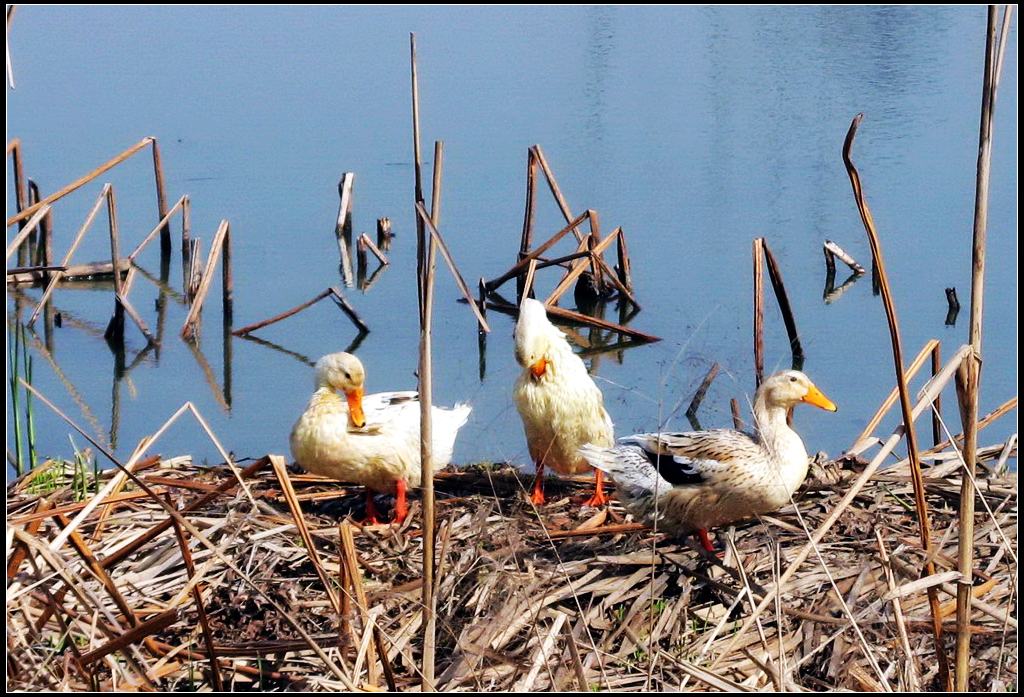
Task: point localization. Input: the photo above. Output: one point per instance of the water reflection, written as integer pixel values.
(696, 129)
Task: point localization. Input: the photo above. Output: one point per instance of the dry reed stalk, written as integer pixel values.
(579, 266)
(758, 255)
(937, 410)
(29, 228)
(737, 419)
(81, 181)
(226, 486)
(277, 462)
(555, 190)
(20, 551)
(624, 268)
(425, 248)
(833, 250)
(192, 529)
(426, 269)
(418, 199)
(965, 556)
(249, 328)
(920, 502)
(592, 241)
(161, 200)
(580, 318)
(520, 266)
(365, 240)
(219, 244)
(344, 224)
(343, 229)
(496, 569)
(18, 160)
(994, 415)
(775, 276)
(698, 396)
(350, 562)
(446, 255)
(197, 598)
(927, 350)
(528, 278)
(526, 239)
(159, 228)
(384, 233)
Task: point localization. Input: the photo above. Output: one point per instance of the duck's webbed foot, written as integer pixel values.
(373, 516)
(599, 498)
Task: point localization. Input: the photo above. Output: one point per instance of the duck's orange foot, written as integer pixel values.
(705, 542)
(537, 497)
(401, 506)
(373, 516)
(599, 498)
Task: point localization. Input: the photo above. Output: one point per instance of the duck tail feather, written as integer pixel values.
(634, 476)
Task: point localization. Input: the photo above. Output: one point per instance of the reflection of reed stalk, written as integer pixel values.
(19, 360)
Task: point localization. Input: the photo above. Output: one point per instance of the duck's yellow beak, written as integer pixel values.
(355, 407)
(817, 398)
(538, 368)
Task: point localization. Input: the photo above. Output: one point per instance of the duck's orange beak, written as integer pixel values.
(355, 407)
(817, 398)
(538, 368)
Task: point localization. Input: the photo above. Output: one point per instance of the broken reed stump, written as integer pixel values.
(833, 250)
(758, 259)
(698, 397)
(221, 244)
(384, 233)
(954, 306)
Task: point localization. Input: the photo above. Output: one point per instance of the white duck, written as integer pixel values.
(689, 482)
(561, 407)
(372, 440)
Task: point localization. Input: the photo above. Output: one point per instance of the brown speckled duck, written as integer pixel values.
(689, 482)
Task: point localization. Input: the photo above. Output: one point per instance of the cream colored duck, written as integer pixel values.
(689, 482)
(372, 440)
(561, 407)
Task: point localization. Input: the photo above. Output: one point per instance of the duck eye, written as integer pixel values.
(347, 376)
(792, 379)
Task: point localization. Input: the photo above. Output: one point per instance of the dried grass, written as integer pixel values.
(569, 600)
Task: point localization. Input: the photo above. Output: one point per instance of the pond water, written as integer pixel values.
(694, 129)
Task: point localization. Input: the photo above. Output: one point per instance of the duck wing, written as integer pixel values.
(697, 458)
(383, 409)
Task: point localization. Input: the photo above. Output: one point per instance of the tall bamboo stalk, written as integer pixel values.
(426, 430)
(424, 290)
(965, 556)
(910, 434)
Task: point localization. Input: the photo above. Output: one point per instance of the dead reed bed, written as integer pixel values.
(574, 599)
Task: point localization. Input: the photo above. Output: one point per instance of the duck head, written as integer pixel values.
(535, 339)
(789, 388)
(344, 372)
